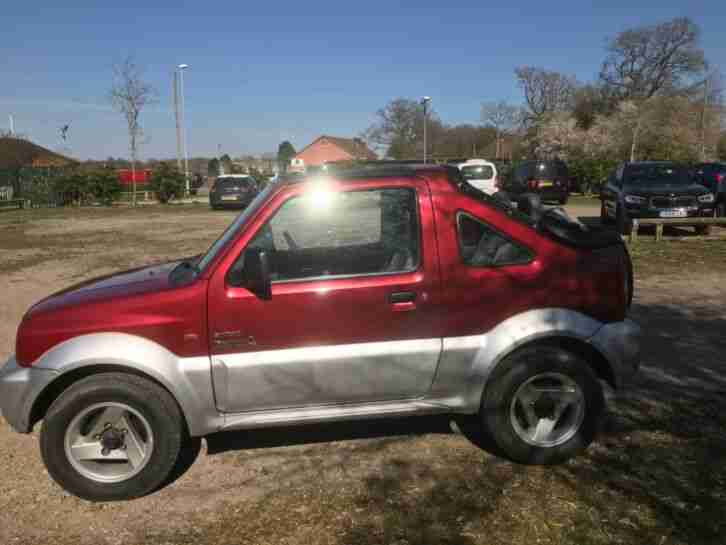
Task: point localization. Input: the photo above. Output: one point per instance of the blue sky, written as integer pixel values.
(261, 72)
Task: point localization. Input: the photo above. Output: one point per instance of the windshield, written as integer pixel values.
(657, 174)
(477, 172)
(234, 228)
(232, 182)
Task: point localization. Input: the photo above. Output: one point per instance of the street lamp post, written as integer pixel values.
(181, 69)
(425, 102)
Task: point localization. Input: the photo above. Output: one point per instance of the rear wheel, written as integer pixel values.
(563, 200)
(704, 230)
(544, 407)
(721, 209)
(112, 437)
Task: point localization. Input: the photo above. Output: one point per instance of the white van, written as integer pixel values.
(480, 173)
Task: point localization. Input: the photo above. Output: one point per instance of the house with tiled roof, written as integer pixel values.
(21, 153)
(326, 149)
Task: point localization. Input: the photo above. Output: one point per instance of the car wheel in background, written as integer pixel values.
(544, 406)
(112, 436)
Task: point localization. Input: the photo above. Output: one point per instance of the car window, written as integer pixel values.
(477, 172)
(233, 229)
(645, 174)
(482, 246)
(550, 169)
(228, 183)
(331, 234)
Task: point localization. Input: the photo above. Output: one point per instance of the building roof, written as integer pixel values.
(353, 146)
(17, 152)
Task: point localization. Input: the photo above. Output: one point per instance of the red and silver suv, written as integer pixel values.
(368, 293)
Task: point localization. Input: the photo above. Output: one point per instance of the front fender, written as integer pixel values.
(189, 380)
(467, 362)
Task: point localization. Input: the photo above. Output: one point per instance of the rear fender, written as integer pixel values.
(468, 362)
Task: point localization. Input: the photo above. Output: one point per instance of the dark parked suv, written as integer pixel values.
(549, 179)
(713, 177)
(654, 189)
(233, 191)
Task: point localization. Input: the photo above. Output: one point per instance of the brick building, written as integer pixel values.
(326, 149)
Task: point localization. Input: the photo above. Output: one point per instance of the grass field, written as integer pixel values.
(656, 476)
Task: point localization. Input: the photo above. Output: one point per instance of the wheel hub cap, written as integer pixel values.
(547, 410)
(109, 442)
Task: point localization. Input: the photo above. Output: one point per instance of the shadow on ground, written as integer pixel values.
(656, 476)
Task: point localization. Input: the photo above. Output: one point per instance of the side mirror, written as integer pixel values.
(257, 273)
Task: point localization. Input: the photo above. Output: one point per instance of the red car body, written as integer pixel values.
(453, 300)
(417, 295)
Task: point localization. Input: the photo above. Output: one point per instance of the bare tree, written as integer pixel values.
(545, 91)
(649, 60)
(399, 129)
(129, 96)
(503, 117)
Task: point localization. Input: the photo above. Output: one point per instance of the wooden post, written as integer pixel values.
(634, 231)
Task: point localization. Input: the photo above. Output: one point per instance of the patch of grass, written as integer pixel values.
(678, 256)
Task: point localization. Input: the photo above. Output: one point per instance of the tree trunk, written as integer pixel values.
(634, 145)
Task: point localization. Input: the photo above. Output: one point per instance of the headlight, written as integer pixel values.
(632, 199)
(708, 197)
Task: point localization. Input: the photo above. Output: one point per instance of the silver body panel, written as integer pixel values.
(320, 375)
(318, 384)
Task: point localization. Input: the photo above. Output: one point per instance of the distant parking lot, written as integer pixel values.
(656, 476)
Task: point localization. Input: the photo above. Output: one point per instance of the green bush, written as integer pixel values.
(103, 186)
(591, 172)
(167, 182)
(87, 187)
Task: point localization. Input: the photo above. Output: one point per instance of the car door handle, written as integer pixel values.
(403, 300)
(402, 297)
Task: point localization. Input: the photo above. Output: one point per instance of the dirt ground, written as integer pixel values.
(657, 475)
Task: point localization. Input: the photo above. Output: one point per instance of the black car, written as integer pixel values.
(233, 191)
(713, 177)
(549, 179)
(654, 189)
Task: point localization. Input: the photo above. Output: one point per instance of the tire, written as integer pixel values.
(503, 417)
(622, 221)
(563, 200)
(703, 230)
(155, 427)
(721, 210)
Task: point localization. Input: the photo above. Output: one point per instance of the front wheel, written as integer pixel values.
(112, 436)
(544, 407)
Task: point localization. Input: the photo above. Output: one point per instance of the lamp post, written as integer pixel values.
(181, 69)
(425, 102)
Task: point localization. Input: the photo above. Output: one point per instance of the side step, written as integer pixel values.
(330, 413)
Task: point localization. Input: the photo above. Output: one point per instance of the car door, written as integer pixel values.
(352, 316)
